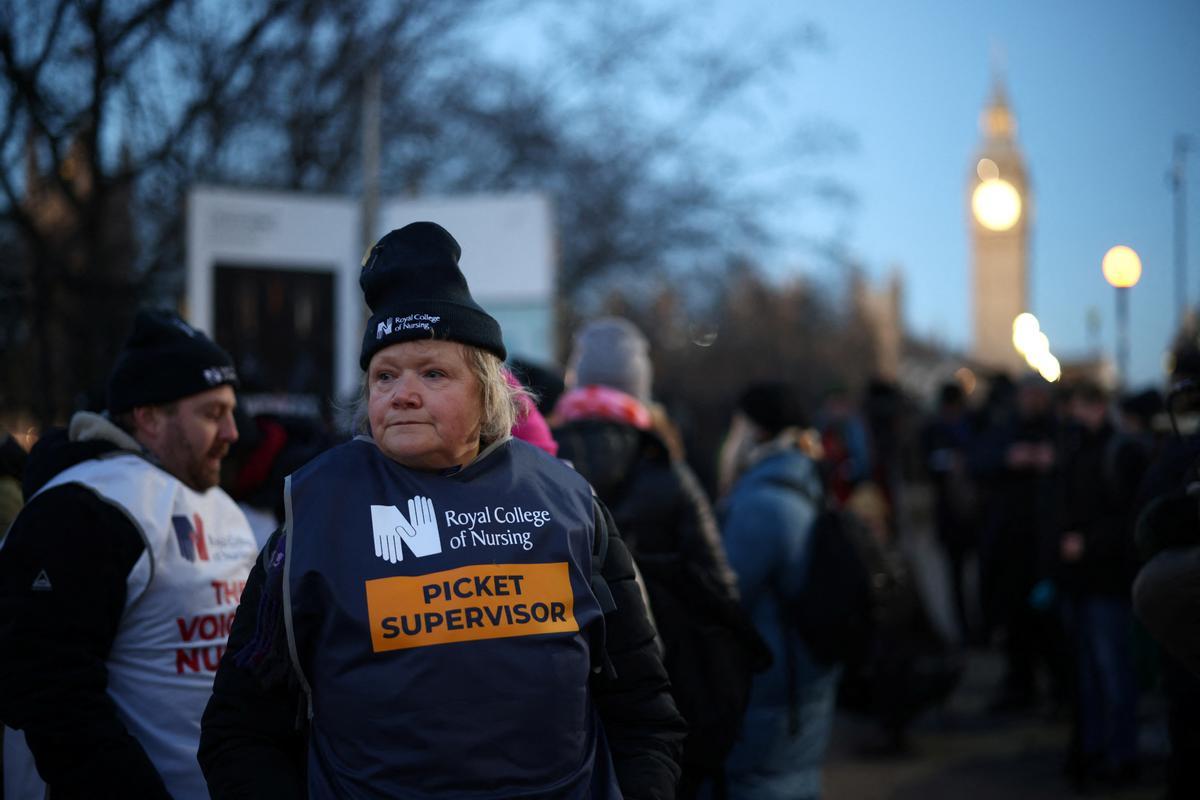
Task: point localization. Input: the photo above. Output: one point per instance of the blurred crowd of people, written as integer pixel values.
(1038, 495)
(790, 588)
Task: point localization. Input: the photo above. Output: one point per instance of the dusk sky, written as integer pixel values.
(1100, 90)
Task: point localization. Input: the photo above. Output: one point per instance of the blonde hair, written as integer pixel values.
(500, 401)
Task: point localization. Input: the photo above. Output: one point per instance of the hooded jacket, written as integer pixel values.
(767, 522)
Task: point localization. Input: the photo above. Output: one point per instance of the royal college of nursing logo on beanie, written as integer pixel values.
(219, 375)
(413, 322)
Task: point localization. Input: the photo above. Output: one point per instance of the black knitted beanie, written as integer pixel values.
(415, 290)
(772, 406)
(165, 359)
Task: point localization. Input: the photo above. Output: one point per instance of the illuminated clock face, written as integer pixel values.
(996, 204)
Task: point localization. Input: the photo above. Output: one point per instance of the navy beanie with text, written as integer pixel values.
(415, 290)
(165, 359)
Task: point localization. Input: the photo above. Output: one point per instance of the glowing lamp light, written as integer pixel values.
(1122, 267)
(1034, 345)
(996, 204)
(1025, 326)
(1049, 368)
(1046, 365)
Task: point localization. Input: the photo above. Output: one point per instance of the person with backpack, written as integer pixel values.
(768, 520)
(606, 428)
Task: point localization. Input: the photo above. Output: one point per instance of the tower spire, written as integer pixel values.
(997, 123)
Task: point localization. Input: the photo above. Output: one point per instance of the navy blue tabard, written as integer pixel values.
(442, 625)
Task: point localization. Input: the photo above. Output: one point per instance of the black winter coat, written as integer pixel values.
(656, 501)
(54, 644)
(1100, 474)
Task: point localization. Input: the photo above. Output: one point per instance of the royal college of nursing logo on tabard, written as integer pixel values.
(418, 531)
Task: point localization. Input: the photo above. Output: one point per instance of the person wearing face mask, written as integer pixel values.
(606, 427)
(447, 611)
(119, 577)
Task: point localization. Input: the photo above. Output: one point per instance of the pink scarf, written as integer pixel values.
(602, 402)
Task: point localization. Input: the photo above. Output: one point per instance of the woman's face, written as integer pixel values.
(424, 404)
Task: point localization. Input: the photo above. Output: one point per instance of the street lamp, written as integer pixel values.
(1122, 269)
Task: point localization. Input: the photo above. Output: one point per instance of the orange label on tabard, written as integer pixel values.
(487, 601)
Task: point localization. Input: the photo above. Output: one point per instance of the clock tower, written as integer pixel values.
(999, 211)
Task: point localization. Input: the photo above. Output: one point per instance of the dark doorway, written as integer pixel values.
(278, 326)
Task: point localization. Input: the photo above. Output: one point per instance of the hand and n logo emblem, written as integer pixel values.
(418, 532)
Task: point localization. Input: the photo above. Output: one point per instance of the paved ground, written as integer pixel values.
(963, 752)
(960, 751)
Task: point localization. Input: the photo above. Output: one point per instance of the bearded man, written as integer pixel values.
(120, 576)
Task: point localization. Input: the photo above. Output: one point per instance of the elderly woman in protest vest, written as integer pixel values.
(447, 611)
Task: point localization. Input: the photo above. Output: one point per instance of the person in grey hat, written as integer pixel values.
(612, 352)
(607, 429)
(119, 577)
(450, 608)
